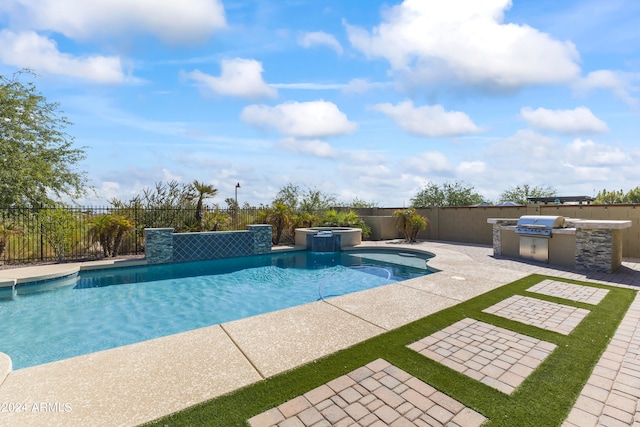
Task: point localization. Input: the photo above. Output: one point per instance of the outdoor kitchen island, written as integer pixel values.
(589, 245)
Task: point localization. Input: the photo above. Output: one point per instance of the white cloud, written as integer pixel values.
(527, 145)
(530, 158)
(587, 173)
(308, 86)
(429, 162)
(465, 41)
(184, 21)
(313, 119)
(239, 77)
(320, 38)
(471, 168)
(358, 86)
(428, 120)
(375, 175)
(313, 147)
(367, 157)
(588, 153)
(618, 82)
(578, 120)
(30, 50)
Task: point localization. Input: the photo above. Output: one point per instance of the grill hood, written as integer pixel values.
(541, 221)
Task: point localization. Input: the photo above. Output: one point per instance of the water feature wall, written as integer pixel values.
(324, 241)
(164, 246)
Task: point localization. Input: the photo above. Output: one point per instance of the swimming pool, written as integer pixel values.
(103, 309)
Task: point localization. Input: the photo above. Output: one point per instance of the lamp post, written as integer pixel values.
(237, 208)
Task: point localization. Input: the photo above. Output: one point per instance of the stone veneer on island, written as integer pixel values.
(590, 245)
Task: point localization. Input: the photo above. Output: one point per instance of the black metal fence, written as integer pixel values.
(85, 233)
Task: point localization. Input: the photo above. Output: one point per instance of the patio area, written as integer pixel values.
(133, 384)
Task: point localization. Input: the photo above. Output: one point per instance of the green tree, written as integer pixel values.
(633, 195)
(605, 197)
(37, 157)
(315, 201)
(165, 205)
(288, 196)
(450, 194)
(520, 193)
(57, 225)
(202, 191)
(359, 203)
(310, 200)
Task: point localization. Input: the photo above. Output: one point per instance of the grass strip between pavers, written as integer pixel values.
(543, 399)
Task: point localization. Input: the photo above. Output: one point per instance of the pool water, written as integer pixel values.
(104, 309)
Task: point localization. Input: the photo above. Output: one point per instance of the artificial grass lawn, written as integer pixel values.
(544, 398)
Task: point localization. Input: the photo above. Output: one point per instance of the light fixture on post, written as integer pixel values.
(236, 208)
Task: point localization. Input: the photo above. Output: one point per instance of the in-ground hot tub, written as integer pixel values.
(348, 236)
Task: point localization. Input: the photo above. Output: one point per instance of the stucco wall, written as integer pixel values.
(469, 224)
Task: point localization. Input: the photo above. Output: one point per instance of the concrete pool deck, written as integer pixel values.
(140, 382)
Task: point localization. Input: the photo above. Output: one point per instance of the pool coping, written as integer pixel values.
(140, 382)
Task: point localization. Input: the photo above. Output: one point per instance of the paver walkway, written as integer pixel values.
(554, 288)
(543, 314)
(612, 394)
(380, 394)
(495, 356)
(376, 395)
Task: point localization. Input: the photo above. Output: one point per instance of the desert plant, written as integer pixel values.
(57, 226)
(202, 191)
(409, 223)
(109, 230)
(6, 231)
(333, 218)
(279, 216)
(417, 223)
(217, 220)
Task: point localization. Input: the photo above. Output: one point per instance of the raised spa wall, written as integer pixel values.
(164, 246)
(588, 245)
(347, 236)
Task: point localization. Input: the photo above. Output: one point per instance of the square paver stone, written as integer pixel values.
(542, 314)
(406, 403)
(570, 291)
(495, 356)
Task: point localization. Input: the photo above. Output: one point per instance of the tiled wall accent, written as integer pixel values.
(262, 240)
(212, 245)
(163, 246)
(594, 249)
(159, 245)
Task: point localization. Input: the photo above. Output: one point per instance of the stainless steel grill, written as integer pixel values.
(538, 225)
(535, 232)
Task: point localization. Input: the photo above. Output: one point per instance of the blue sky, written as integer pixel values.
(357, 98)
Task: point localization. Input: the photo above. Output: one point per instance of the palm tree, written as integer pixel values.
(203, 191)
(279, 217)
(410, 223)
(418, 223)
(109, 230)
